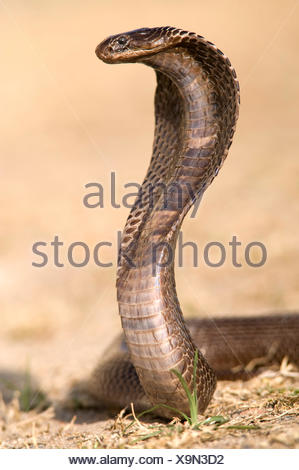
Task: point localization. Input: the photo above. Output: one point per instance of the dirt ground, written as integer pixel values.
(68, 120)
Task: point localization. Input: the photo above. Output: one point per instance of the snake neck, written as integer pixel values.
(193, 131)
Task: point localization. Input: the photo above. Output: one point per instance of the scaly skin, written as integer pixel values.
(196, 109)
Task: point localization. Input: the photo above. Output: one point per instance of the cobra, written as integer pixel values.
(196, 110)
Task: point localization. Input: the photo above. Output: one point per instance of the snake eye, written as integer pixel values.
(122, 40)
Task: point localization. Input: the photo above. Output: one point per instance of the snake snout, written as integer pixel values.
(107, 51)
(101, 50)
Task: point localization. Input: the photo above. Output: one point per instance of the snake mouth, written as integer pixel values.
(117, 56)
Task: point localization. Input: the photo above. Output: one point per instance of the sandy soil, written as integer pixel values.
(68, 120)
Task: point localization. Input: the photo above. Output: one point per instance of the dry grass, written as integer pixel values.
(262, 413)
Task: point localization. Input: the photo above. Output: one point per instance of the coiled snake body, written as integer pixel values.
(196, 109)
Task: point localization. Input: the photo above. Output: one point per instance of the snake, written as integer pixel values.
(197, 102)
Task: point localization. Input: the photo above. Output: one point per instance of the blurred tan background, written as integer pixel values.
(67, 119)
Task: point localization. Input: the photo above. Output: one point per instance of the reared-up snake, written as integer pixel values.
(196, 109)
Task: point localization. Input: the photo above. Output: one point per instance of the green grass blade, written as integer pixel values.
(195, 373)
(218, 420)
(184, 384)
(192, 396)
(162, 405)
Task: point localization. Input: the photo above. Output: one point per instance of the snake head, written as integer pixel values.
(136, 45)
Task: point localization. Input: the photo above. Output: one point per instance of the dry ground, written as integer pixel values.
(68, 120)
(263, 413)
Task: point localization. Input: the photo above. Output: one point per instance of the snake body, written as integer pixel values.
(196, 109)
